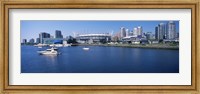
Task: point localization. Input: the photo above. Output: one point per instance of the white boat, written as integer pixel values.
(86, 48)
(66, 45)
(58, 45)
(51, 45)
(49, 52)
(54, 48)
(39, 46)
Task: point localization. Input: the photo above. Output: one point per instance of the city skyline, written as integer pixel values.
(83, 27)
(100, 47)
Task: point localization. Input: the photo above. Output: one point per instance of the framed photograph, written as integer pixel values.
(100, 47)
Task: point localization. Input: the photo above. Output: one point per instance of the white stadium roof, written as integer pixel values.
(84, 35)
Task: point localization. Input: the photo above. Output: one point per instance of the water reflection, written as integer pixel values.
(51, 58)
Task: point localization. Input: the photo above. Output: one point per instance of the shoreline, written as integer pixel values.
(133, 46)
(147, 46)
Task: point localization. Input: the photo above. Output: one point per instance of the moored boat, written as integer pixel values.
(86, 48)
(51, 51)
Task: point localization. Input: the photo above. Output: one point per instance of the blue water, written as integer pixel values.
(100, 60)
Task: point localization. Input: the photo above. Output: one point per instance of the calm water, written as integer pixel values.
(100, 60)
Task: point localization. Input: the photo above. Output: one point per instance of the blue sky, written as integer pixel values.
(32, 28)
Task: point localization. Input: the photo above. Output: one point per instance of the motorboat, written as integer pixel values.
(54, 48)
(51, 45)
(58, 45)
(66, 45)
(51, 51)
(86, 48)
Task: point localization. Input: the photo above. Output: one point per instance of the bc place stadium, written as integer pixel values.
(93, 38)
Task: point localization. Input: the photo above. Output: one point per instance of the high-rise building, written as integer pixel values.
(32, 41)
(157, 33)
(139, 28)
(69, 37)
(24, 41)
(37, 40)
(42, 36)
(123, 32)
(160, 31)
(116, 37)
(177, 35)
(135, 32)
(58, 34)
(149, 35)
(51, 37)
(171, 30)
(127, 32)
(131, 33)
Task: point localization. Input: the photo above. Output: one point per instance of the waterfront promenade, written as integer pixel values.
(153, 46)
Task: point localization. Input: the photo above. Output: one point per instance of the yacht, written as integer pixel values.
(66, 45)
(51, 51)
(54, 48)
(58, 45)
